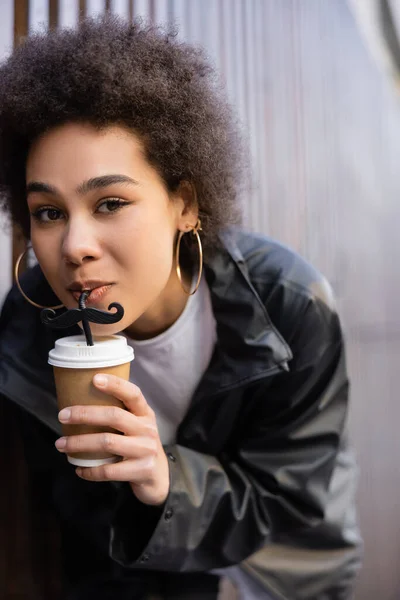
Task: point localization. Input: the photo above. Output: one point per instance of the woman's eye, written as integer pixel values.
(48, 215)
(45, 215)
(111, 205)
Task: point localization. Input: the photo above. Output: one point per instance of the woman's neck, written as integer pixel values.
(164, 312)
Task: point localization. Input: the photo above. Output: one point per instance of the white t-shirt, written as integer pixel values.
(168, 369)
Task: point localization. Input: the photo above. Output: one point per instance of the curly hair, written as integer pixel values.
(108, 71)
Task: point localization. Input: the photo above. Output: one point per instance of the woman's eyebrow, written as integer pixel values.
(94, 183)
(39, 186)
(103, 181)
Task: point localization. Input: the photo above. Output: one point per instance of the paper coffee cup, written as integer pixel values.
(75, 364)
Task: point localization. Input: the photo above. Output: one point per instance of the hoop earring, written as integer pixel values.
(195, 232)
(16, 269)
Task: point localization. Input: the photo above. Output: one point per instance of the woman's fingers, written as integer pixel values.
(140, 470)
(108, 416)
(145, 465)
(125, 391)
(125, 421)
(121, 445)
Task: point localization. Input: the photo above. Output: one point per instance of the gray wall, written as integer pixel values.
(6, 42)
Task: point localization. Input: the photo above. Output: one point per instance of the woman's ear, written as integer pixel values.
(188, 208)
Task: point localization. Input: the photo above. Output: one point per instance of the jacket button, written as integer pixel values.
(144, 558)
(168, 515)
(171, 457)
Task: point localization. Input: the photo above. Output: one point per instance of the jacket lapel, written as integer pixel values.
(249, 346)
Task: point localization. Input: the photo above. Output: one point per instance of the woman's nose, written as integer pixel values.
(80, 243)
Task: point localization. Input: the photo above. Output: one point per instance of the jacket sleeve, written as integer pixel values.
(273, 479)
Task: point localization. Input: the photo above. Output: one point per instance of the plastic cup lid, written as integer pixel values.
(72, 352)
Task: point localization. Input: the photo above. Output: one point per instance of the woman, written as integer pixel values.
(120, 161)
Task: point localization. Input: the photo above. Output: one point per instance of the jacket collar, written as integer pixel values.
(249, 347)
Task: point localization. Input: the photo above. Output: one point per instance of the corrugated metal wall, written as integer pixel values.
(6, 42)
(324, 135)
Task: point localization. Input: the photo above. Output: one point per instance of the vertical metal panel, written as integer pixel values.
(210, 31)
(38, 15)
(95, 8)
(121, 8)
(21, 25)
(21, 20)
(6, 43)
(179, 17)
(68, 13)
(53, 13)
(250, 85)
(6, 28)
(194, 22)
(82, 9)
(227, 48)
(201, 16)
(161, 11)
(237, 49)
(141, 8)
(260, 161)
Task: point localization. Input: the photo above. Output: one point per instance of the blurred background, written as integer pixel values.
(316, 87)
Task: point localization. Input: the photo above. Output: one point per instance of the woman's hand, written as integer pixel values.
(144, 464)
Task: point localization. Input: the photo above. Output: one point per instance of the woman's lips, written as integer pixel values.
(96, 294)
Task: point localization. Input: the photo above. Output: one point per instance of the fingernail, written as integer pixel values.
(78, 471)
(100, 379)
(61, 443)
(64, 414)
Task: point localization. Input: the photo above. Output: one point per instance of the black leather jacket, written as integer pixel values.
(260, 475)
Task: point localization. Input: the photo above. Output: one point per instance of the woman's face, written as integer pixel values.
(102, 219)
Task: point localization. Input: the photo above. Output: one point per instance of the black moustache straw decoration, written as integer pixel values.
(86, 315)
